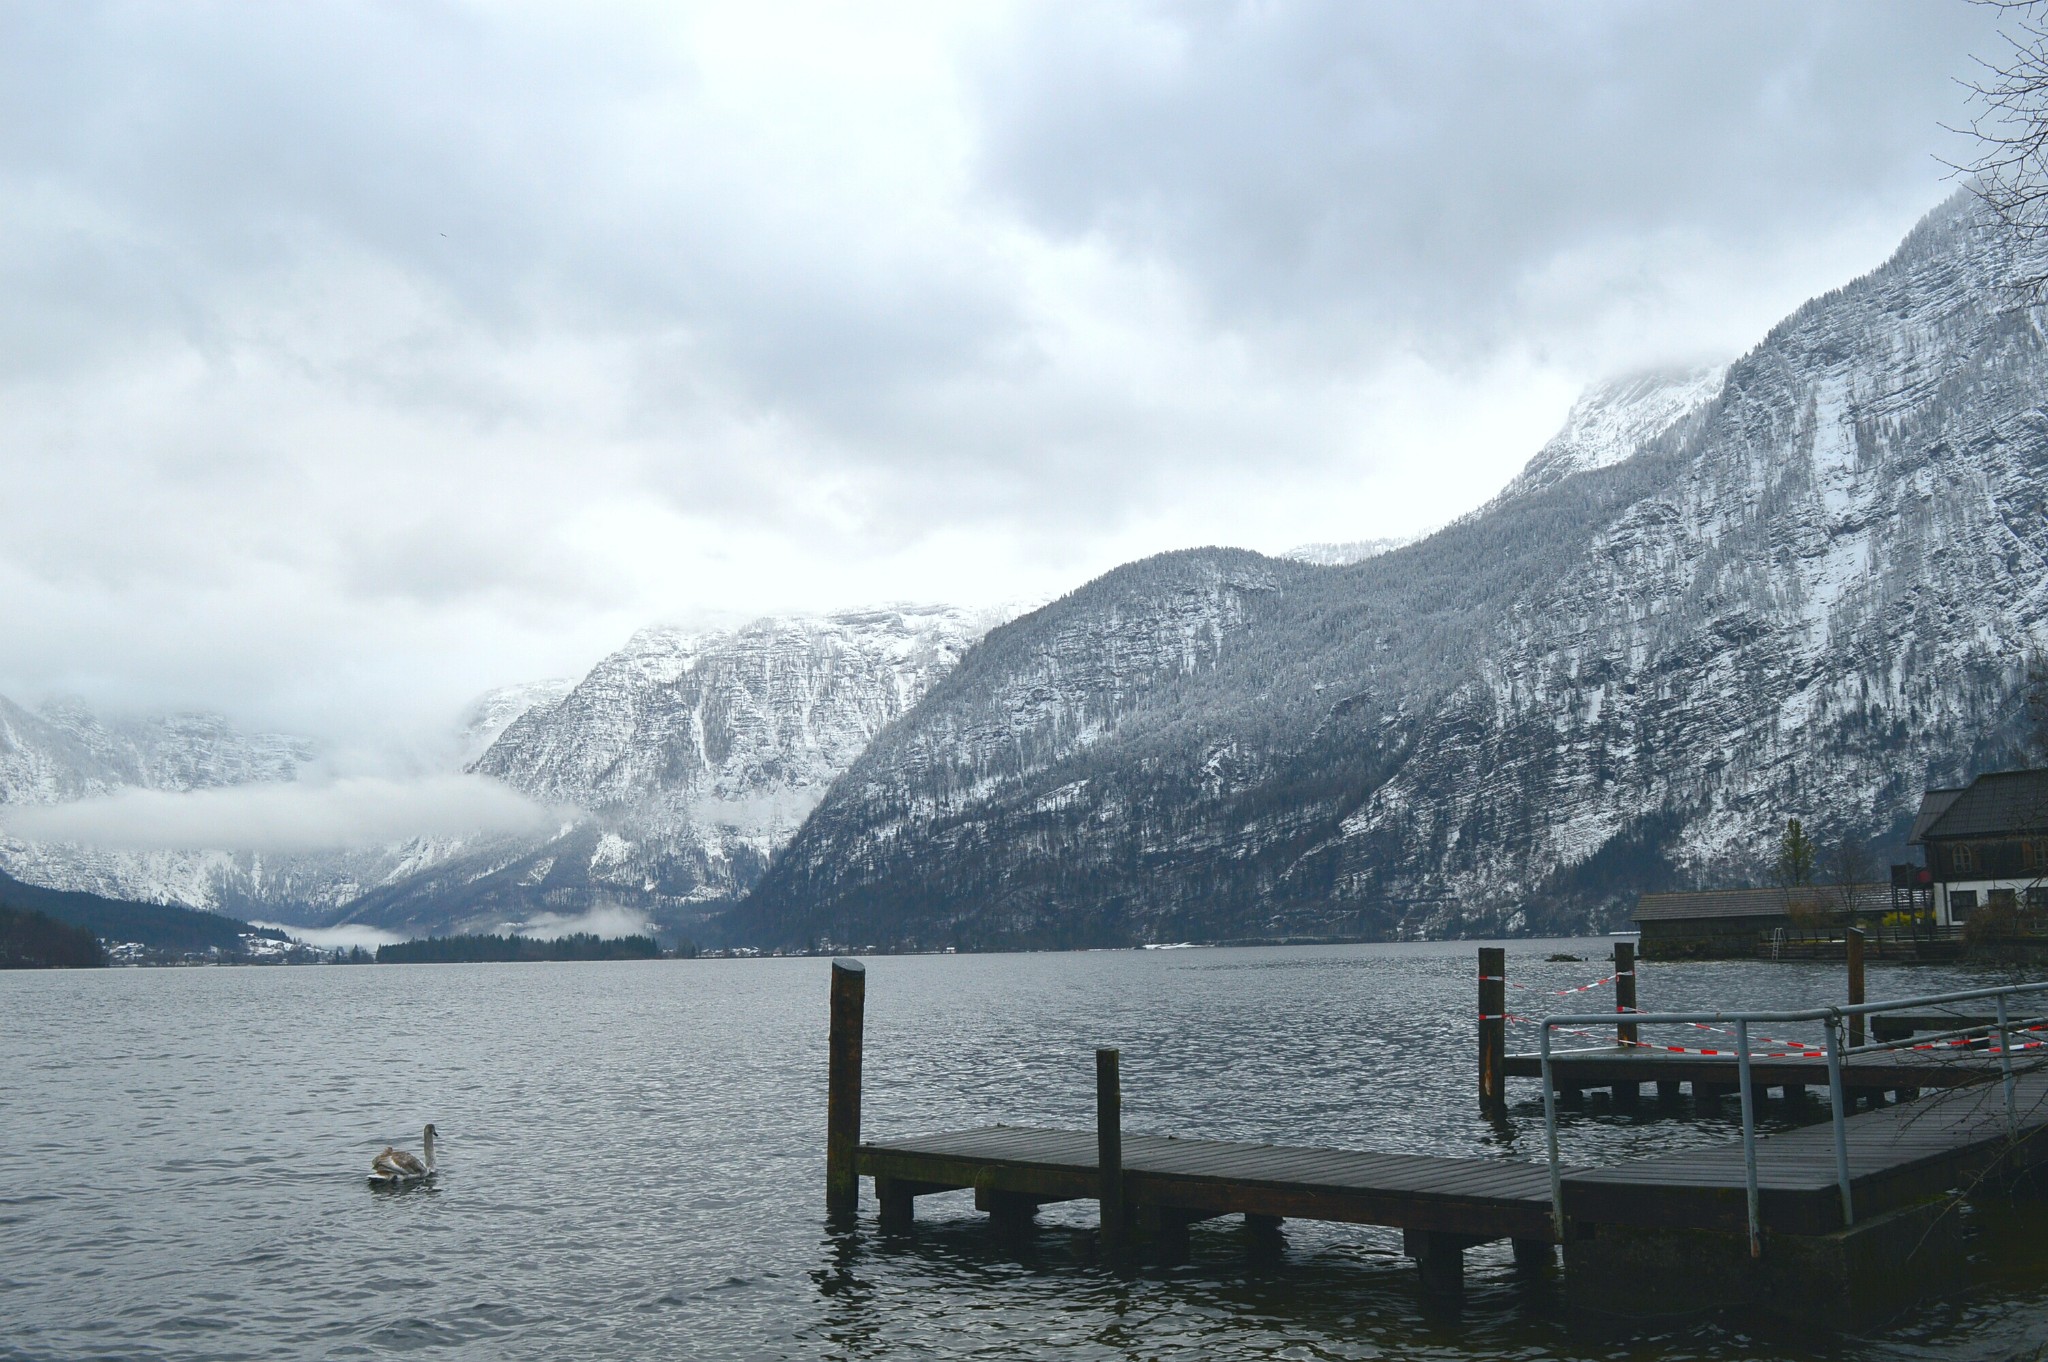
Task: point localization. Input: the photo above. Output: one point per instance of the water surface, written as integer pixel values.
(633, 1159)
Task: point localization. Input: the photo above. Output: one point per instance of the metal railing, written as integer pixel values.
(1837, 1052)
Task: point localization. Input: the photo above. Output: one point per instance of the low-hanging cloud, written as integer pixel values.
(347, 937)
(286, 816)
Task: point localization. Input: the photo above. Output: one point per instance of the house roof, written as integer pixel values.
(1933, 805)
(1765, 902)
(2001, 803)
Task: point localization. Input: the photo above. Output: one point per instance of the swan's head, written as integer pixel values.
(431, 1132)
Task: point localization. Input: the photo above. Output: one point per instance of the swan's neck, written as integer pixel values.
(428, 1141)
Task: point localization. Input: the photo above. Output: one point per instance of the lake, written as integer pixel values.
(633, 1159)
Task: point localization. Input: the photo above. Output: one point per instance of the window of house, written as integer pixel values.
(1961, 903)
(1963, 856)
(2034, 853)
(2037, 897)
(2008, 899)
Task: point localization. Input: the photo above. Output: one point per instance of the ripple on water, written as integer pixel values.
(633, 1161)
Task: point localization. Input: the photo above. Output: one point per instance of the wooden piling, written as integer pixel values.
(1440, 1258)
(1109, 1149)
(1626, 1033)
(1854, 951)
(1493, 1030)
(842, 1133)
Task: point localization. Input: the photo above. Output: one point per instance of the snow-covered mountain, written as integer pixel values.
(693, 756)
(497, 710)
(690, 756)
(1613, 421)
(60, 752)
(1811, 595)
(1344, 554)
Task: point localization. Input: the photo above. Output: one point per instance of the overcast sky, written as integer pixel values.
(356, 358)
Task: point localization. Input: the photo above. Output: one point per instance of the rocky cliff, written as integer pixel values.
(689, 756)
(1808, 594)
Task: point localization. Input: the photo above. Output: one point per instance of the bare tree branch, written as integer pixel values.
(2009, 124)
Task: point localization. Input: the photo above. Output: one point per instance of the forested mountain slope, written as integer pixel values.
(1809, 596)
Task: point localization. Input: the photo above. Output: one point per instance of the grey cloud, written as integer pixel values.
(361, 356)
(1361, 167)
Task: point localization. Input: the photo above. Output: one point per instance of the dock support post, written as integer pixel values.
(1627, 1033)
(1439, 1257)
(1008, 1212)
(1493, 1030)
(842, 1133)
(1853, 948)
(898, 1201)
(1532, 1254)
(1109, 1148)
(1165, 1229)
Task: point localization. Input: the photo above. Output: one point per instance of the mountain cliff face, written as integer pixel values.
(680, 762)
(1810, 595)
(689, 757)
(61, 752)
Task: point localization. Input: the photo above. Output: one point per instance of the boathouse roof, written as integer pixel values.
(1770, 901)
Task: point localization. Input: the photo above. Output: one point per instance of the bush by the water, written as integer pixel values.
(459, 950)
(32, 940)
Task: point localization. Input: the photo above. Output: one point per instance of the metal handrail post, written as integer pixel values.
(2012, 1118)
(1550, 1135)
(1756, 1241)
(1837, 1105)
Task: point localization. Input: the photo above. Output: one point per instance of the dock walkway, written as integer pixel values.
(1898, 1156)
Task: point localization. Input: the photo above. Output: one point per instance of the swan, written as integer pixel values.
(397, 1165)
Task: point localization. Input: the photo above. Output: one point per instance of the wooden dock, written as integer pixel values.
(1670, 1232)
(1443, 1205)
(1901, 1159)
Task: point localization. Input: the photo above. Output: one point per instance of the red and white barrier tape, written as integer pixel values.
(1799, 1053)
(1560, 992)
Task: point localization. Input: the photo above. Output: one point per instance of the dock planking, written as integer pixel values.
(1898, 1155)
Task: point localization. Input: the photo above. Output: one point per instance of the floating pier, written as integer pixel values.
(1711, 1071)
(1845, 1240)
